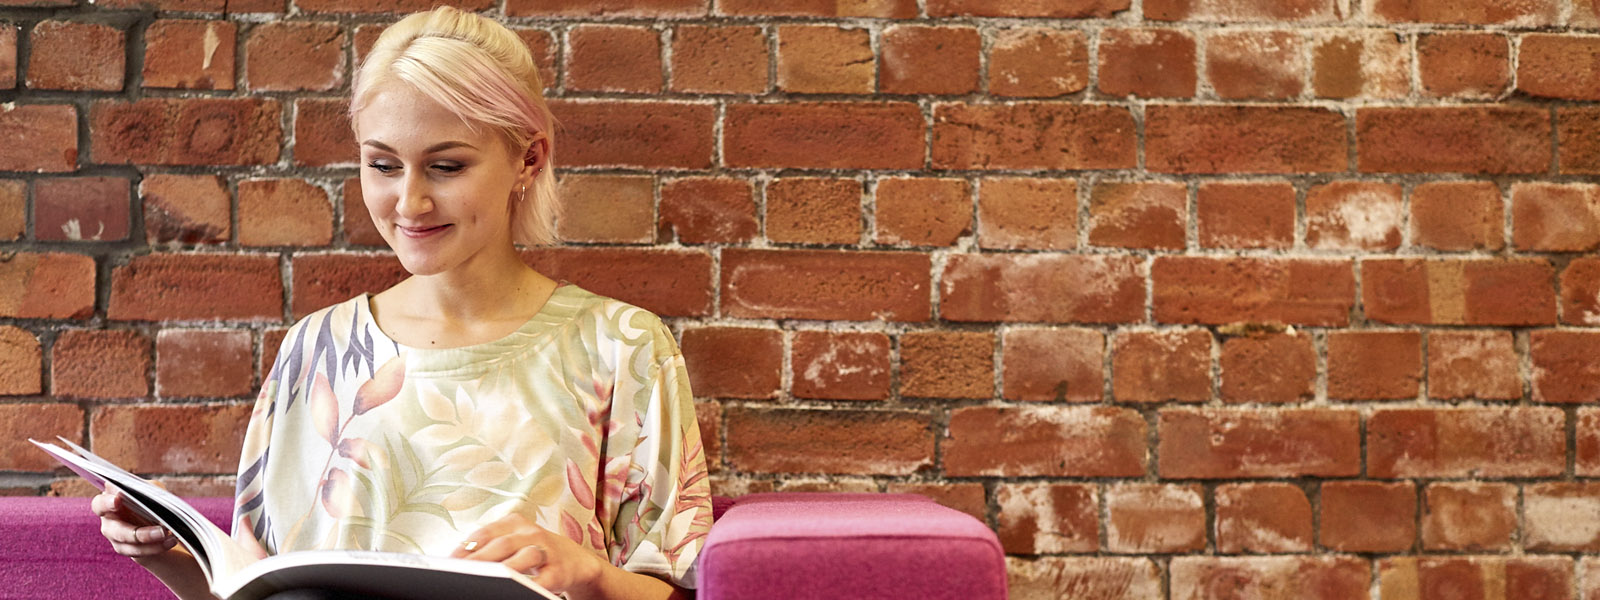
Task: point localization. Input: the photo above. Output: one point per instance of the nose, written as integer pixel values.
(415, 197)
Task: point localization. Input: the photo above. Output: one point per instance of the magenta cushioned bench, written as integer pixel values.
(764, 546)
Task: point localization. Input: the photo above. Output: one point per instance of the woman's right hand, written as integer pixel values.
(129, 534)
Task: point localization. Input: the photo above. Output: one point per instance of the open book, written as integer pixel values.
(233, 574)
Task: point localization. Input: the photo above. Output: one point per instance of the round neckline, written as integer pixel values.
(545, 316)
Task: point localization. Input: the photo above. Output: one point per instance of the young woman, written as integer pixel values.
(477, 409)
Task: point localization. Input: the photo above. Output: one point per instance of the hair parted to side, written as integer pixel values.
(482, 72)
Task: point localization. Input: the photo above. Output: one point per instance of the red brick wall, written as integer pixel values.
(1186, 298)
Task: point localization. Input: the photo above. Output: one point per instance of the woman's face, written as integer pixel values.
(439, 191)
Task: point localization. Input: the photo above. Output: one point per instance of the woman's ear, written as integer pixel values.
(536, 158)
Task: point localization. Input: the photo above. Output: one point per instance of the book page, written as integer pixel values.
(383, 574)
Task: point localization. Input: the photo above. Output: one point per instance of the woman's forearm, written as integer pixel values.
(180, 572)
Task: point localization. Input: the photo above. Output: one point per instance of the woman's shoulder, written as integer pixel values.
(321, 324)
(615, 320)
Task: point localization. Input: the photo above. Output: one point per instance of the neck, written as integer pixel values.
(488, 287)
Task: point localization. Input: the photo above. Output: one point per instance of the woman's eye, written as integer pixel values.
(383, 168)
(448, 168)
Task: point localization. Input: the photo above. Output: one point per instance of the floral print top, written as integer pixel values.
(581, 420)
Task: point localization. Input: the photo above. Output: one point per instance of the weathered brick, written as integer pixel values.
(322, 134)
(1360, 63)
(8, 56)
(39, 138)
(1038, 62)
(74, 56)
(880, 9)
(322, 280)
(1354, 215)
(1527, 13)
(1032, 135)
(1469, 516)
(1049, 288)
(18, 422)
(1247, 443)
(1466, 442)
(1274, 577)
(1374, 365)
(649, 134)
(1147, 63)
(1245, 214)
(842, 365)
(613, 58)
(1586, 450)
(1053, 364)
(1562, 369)
(1550, 217)
(356, 220)
(602, 8)
(185, 438)
(670, 283)
(708, 210)
(1161, 366)
(797, 440)
(618, 209)
(1055, 441)
(1459, 292)
(929, 60)
(922, 211)
(1243, 139)
(204, 363)
(1578, 128)
(1039, 518)
(185, 131)
(185, 209)
(189, 54)
(291, 56)
(967, 497)
(1155, 518)
(1525, 577)
(161, 287)
(13, 209)
(1269, 367)
(829, 135)
(947, 364)
(708, 417)
(100, 364)
(271, 342)
(541, 44)
(1044, 577)
(719, 60)
(852, 286)
(1473, 364)
(1262, 518)
(1262, 290)
(1138, 215)
(734, 362)
(1368, 516)
(1255, 65)
(21, 362)
(1061, 9)
(825, 59)
(1554, 65)
(1451, 139)
(1458, 215)
(814, 210)
(1233, 11)
(1580, 292)
(81, 209)
(47, 285)
(284, 212)
(1463, 64)
(1017, 213)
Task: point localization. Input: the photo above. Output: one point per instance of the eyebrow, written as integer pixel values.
(439, 147)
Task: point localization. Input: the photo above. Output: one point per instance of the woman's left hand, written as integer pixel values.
(560, 564)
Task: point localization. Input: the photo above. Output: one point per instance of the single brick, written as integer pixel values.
(1245, 214)
(1222, 290)
(1147, 63)
(1249, 443)
(967, 497)
(1530, 13)
(829, 135)
(719, 60)
(322, 134)
(66, 55)
(814, 210)
(618, 209)
(1269, 367)
(929, 60)
(1463, 64)
(1138, 215)
(1469, 516)
(185, 131)
(1262, 518)
(841, 365)
(1038, 62)
(1354, 215)
(1453, 139)
(877, 9)
(605, 8)
(852, 286)
(825, 59)
(1368, 516)
(1053, 364)
(1256, 65)
(1459, 292)
(1233, 11)
(1039, 518)
(21, 362)
(708, 210)
(1049, 288)
(670, 283)
(1031, 135)
(922, 211)
(13, 209)
(1466, 442)
(1374, 365)
(947, 364)
(1550, 217)
(189, 54)
(1473, 364)
(1042, 578)
(204, 363)
(1155, 518)
(1562, 516)
(1524, 578)
(38, 138)
(284, 212)
(1578, 128)
(47, 285)
(100, 364)
(1555, 66)
(648, 134)
(185, 209)
(1562, 372)
(185, 438)
(356, 220)
(1243, 139)
(734, 362)
(1017, 213)
(322, 280)
(8, 56)
(1161, 366)
(797, 440)
(161, 287)
(613, 58)
(1299, 577)
(1059, 9)
(19, 422)
(1360, 63)
(1458, 215)
(708, 416)
(1054, 441)
(291, 56)
(81, 209)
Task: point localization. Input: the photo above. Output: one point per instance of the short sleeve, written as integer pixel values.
(250, 526)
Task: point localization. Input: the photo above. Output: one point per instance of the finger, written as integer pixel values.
(101, 504)
(499, 549)
(476, 540)
(529, 557)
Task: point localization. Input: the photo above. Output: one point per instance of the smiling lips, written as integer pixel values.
(422, 232)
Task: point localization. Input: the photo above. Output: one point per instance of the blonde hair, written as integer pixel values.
(482, 72)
